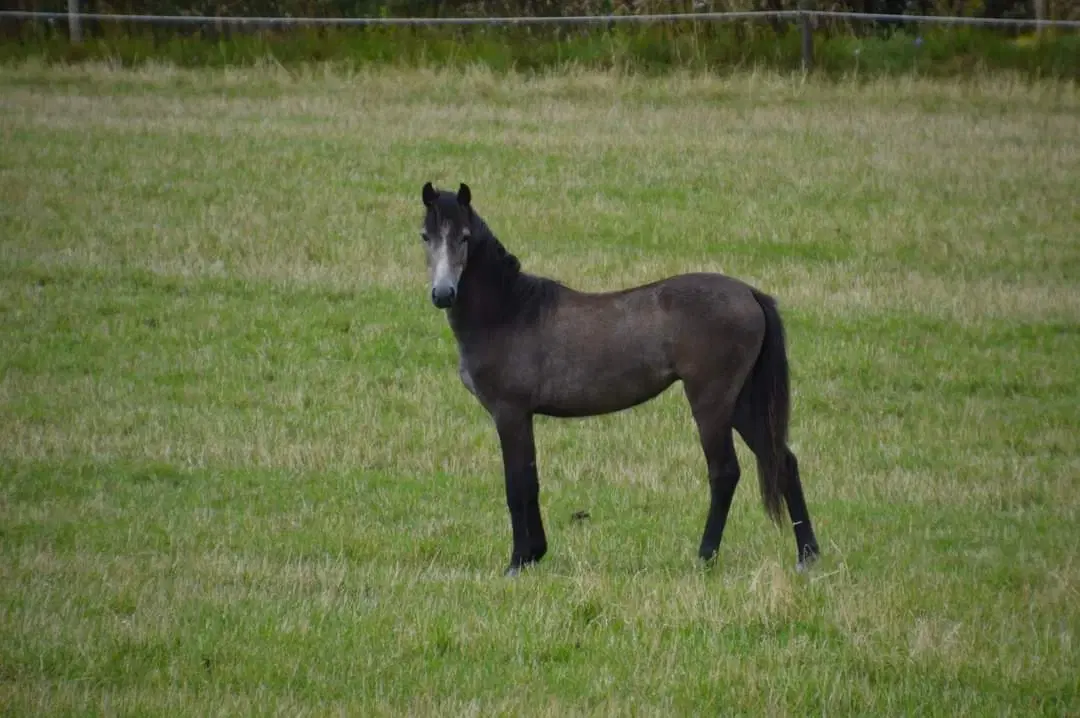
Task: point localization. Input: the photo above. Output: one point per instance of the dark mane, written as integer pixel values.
(519, 294)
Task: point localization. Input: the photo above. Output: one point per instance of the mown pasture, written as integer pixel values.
(238, 473)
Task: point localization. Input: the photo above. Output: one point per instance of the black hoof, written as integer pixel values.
(519, 563)
(706, 559)
(706, 565)
(807, 557)
(516, 567)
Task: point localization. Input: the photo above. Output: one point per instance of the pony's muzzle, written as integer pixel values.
(443, 296)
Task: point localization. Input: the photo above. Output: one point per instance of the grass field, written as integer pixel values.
(239, 475)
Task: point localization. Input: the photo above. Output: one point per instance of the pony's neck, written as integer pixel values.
(487, 291)
(493, 291)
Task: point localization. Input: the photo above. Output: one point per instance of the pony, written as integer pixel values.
(529, 345)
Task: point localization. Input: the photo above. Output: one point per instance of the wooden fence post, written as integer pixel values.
(805, 22)
(74, 22)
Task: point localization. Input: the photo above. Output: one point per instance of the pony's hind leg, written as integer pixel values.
(755, 436)
(723, 479)
(805, 539)
(713, 420)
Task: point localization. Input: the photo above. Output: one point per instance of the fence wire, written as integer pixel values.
(537, 20)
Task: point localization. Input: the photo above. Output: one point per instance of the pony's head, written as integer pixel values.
(448, 221)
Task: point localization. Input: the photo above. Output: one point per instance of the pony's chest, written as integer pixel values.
(466, 377)
(489, 371)
(476, 371)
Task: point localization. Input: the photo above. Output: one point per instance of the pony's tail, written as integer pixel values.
(770, 408)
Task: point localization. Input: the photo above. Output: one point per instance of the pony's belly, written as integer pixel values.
(602, 395)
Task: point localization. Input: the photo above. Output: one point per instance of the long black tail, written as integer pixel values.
(770, 407)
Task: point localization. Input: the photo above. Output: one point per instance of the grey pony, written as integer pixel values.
(530, 345)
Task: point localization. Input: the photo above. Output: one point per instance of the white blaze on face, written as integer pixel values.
(442, 271)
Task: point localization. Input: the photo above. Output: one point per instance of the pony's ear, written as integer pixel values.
(429, 194)
(464, 195)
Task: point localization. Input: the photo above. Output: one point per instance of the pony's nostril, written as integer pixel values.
(443, 297)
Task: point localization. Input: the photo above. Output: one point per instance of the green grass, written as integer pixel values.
(239, 475)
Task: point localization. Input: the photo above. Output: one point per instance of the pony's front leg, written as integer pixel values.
(522, 488)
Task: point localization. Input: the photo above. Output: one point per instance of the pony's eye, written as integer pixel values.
(423, 236)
